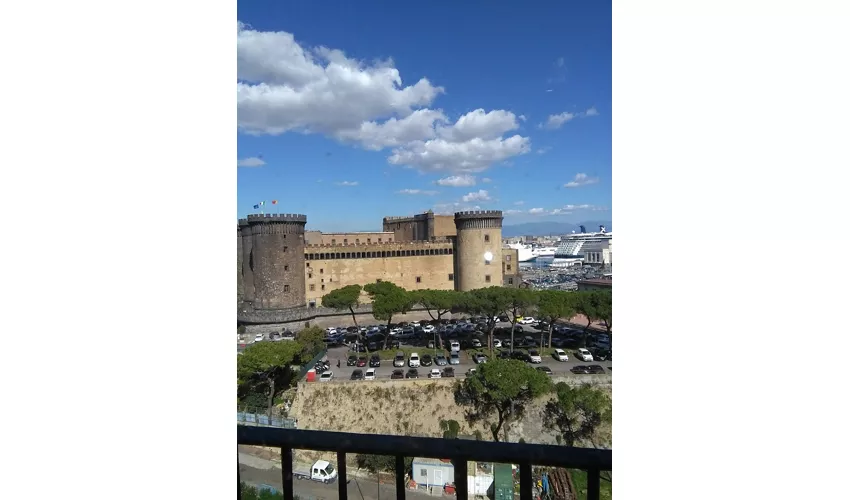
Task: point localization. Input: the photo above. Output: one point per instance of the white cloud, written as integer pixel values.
(577, 207)
(545, 150)
(518, 203)
(480, 195)
(522, 117)
(555, 121)
(417, 191)
(511, 212)
(251, 162)
(475, 155)
(536, 211)
(451, 208)
(283, 87)
(559, 211)
(457, 181)
(347, 183)
(393, 132)
(486, 180)
(581, 180)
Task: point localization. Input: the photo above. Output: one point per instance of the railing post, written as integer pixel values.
(286, 467)
(342, 479)
(238, 479)
(399, 478)
(593, 484)
(461, 485)
(525, 481)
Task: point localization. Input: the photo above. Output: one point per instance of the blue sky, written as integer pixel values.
(500, 105)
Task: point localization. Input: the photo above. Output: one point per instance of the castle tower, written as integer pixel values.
(240, 291)
(247, 273)
(478, 249)
(277, 251)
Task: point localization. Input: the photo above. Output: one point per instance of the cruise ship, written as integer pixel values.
(570, 250)
(529, 253)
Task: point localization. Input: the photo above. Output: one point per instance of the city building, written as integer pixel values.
(284, 270)
(595, 284)
(597, 253)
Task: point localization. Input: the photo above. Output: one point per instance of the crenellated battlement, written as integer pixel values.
(276, 218)
(366, 246)
(406, 218)
(478, 214)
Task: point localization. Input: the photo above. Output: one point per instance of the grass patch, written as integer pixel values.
(580, 482)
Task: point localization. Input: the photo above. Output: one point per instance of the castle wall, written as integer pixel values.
(443, 226)
(336, 266)
(354, 238)
(478, 233)
(247, 261)
(278, 260)
(421, 227)
(239, 286)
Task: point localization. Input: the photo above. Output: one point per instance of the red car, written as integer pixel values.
(361, 361)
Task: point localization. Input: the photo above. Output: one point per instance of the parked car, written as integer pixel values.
(428, 328)
(397, 374)
(371, 374)
(544, 369)
(352, 360)
(560, 355)
(399, 359)
(361, 361)
(326, 376)
(497, 344)
(522, 356)
(375, 361)
(580, 369)
(583, 354)
(527, 320)
(357, 375)
(601, 354)
(441, 360)
(426, 360)
(413, 360)
(435, 373)
(454, 359)
(479, 357)
(534, 356)
(470, 372)
(321, 471)
(476, 343)
(595, 369)
(258, 337)
(448, 371)
(412, 373)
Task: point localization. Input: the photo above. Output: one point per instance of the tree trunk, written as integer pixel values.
(387, 336)
(271, 396)
(354, 318)
(513, 327)
(550, 334)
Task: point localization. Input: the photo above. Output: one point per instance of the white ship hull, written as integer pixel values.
(524, 253)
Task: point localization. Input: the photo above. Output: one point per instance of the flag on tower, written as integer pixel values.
(274, 202)
(256, 207)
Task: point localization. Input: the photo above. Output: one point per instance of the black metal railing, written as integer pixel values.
(593, 461)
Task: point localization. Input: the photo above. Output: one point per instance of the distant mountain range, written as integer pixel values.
(546, 228)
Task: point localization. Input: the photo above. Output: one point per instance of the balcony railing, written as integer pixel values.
(460, 451)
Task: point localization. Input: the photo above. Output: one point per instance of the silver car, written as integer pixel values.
(454, 359)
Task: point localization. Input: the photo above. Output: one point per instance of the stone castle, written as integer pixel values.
(283, 271)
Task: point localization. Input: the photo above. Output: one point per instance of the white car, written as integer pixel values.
(535, 356)
(370, 374)
(258, 338)
(331, 330)
(428, 328)
(527, 320)
(413, 360)
(395, 331)
(584, 355)
(561, 355)
(497, 344)
(455, 346)
(435, 373)
(326, 377)
(476, 343)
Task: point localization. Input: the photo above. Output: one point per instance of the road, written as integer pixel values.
(258, 472)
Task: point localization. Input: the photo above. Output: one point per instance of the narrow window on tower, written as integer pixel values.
(486, 238)
(285, 249)
(312, 288)
(323, 287)
(487, 278)
(285, 288)
(419, 279)
(286, 268)
(451, 277)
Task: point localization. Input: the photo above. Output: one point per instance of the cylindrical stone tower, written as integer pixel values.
(240, 292)
(277, 250)
(478, 249)
(247, 273)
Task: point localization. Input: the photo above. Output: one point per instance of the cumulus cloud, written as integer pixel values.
(542, 151)
(417, 191)
(486, 180)
(555, 121)
(451, 208)
(283, 86)
(536, 211)
(480, 195)
(457, 181)
(251, 162)
(581, 180)
(511, 212)
(347, 183)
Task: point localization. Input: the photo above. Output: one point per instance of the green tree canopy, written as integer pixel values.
(268, 366)
(382, 463)
(553, 305)
(499, 391)
(388, 299)
(312, 341)
(488, 302)
(437, 302)
(345, 298)
(595, 305)
(577, 412)
(518, 301)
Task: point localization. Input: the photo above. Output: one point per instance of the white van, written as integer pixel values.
(455, 346)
